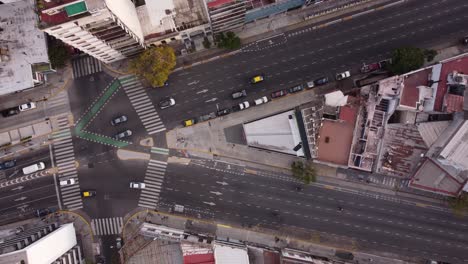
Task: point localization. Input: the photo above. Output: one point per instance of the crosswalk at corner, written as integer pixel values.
(142, 105)
(84, 66)
(107, 226)
(161, 151)
(59, 100)
(390, 181)
(154, 179)
(64, 156)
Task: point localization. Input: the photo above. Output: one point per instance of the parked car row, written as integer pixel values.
(17, 109)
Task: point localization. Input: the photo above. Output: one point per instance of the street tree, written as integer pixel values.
(430, 54)
(406, 59)
(459, 204)
(154, 65)
(58, 54)
(304, 171)
(229, 41)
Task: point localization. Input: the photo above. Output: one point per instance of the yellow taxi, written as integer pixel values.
(189, 122)
(88, 193)
(257, 79)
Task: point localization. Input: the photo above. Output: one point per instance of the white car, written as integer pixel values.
(310, 85)
(27, 106)
(343, 75)
(262, 100)
(244, 105)
(67, 182)
(137, 185)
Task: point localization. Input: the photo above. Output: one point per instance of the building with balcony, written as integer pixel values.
(108, 30)
(39, 245)
(226, 15)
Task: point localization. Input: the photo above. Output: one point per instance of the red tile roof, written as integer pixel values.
(410, 94)
(199, 259)
(459, 65)
(454, 103)
(348, 113)
(56, 19)
(218, 3)
(335, 141)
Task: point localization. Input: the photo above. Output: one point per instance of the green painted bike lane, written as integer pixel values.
(94, 110)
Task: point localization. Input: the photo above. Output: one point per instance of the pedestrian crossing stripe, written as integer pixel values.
(107, 226)
(162, 151)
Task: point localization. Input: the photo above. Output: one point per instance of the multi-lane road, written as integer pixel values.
(234, 194)
(304, 54)
(229, 193)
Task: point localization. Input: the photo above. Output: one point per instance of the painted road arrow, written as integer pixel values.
(209, 203)
(217, 193)
(18, 188)
(21, 199)
(211, 100)
(202, 91)
(222, 183)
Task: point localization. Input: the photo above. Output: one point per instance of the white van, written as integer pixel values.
(33, 168)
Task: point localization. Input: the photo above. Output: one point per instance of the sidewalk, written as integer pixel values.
(314, 242)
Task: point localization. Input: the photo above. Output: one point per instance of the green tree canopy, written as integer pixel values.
(58, 54)
(459, 204)
(304, 171)
(154, 65)
(229, 41)
(406, 59)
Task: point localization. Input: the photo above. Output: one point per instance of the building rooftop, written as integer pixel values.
(161, 18)
(277, 133)
(402, 149)
(336, 136)
(459, 64)
(430, 131)
(410, 92)
(432, 177)
(22, 45)
(46, 249)
(158, 252)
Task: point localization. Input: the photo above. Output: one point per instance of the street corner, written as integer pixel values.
(147, 142)
(124, 154)
(178, 160)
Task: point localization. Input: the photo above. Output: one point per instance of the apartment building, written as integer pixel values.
(108, 30)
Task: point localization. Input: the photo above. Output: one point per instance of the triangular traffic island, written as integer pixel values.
(93, 111)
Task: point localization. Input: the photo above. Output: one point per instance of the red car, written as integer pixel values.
(279, 93)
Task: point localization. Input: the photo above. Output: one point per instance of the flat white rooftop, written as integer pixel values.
(22, 45)
(278, 133)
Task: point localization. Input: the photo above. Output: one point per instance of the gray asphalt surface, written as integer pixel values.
(18, 201)
(271, 200)
(312, 54)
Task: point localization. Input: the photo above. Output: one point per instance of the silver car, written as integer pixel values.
(123, 134)
(119, 120)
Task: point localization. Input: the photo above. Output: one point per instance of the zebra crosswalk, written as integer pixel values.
(154, 179)
(161, 151)
(390, 181)
(85, 65)
(143, 105)
(59, 100)
(64, 157)
(107, 226)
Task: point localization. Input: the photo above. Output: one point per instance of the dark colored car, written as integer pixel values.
(42, 212)
(10, 112)
(279, 93)
(236, 108)
(166, 102)
(239, 94)
(464, 40)
(321, 81)
(296, 88)
(224, 112)
(7, 164)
